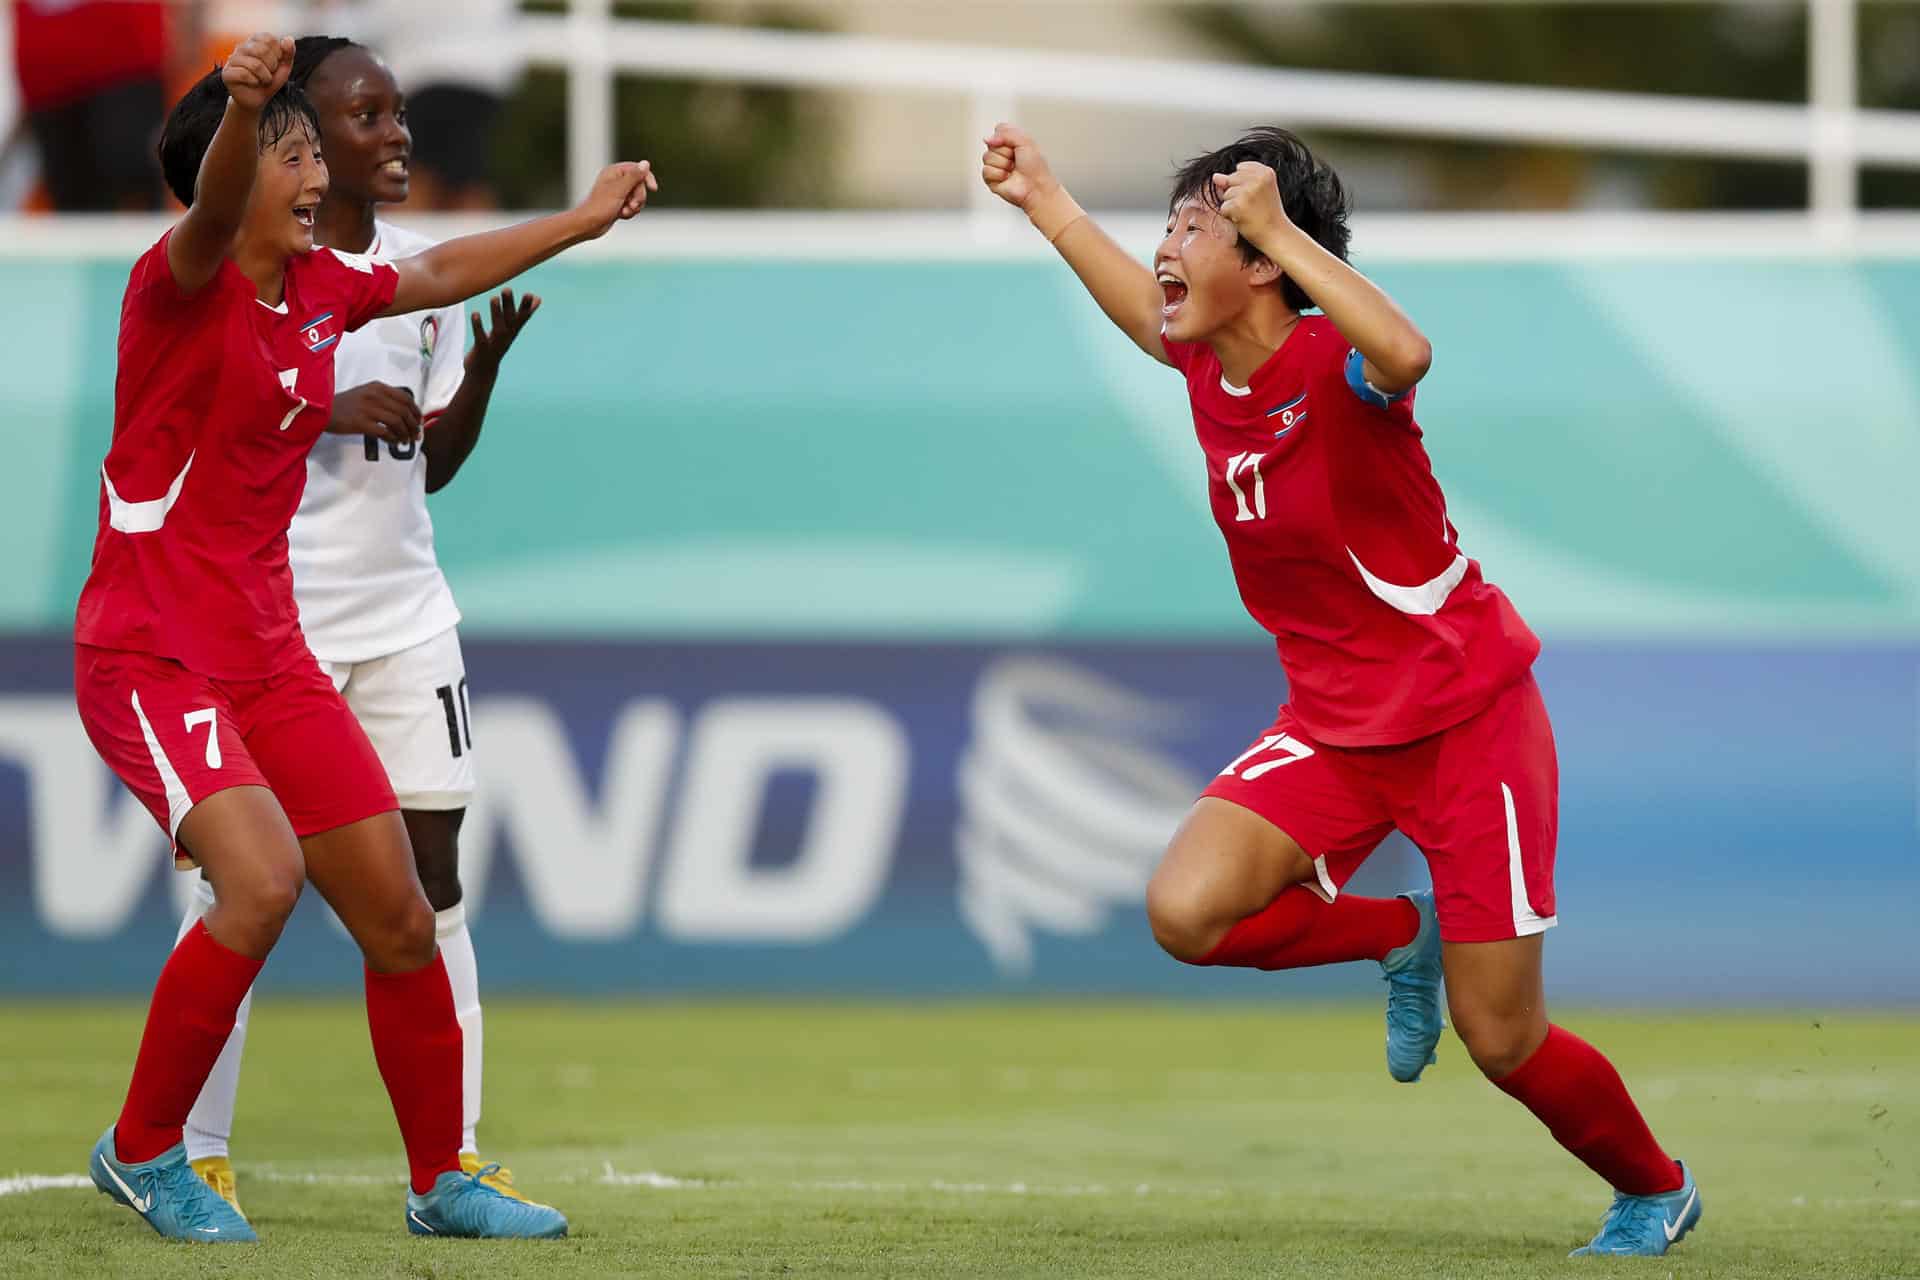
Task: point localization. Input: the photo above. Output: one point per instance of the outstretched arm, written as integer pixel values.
(1397, 354)
(455, 270)
(455, 432)
(1015, 170)
(253, 74)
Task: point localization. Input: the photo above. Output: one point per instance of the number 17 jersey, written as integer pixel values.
(1341, 546)
(364, 570)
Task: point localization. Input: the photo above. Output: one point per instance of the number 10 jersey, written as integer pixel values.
(365, 575)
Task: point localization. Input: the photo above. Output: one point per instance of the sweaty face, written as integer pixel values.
(363, 119)
(1202, 276)
(287, 190)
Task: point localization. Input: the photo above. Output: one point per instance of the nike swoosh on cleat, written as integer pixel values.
(212, 1231)
(1674, 1228)
(138, 1205)
(423, 1226)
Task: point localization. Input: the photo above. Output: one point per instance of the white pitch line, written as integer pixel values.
(657, 1181)
(666, 1182)
(22, 1182)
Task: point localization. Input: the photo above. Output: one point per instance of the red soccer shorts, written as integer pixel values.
(1481, 800)
(175, 738)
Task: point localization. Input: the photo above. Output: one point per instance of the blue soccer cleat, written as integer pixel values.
(1646, 1226)
(168, 1194)
(1413, 995)
(463, 1205)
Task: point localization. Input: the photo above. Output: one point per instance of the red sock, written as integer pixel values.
(416, 1042)
(188, 1022)
(1581, 1099)
(1300, 929)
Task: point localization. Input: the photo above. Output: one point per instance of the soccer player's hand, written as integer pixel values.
(489, 349)
(1014, 168)
(1250, 199)
(376, 409)
(255, 71)
(618, 193)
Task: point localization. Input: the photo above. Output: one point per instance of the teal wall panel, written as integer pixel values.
(965, 448)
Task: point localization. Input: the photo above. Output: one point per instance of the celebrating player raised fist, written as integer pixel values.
(1014, 168)
(255, 71)
(1250, 199)
(618, 193)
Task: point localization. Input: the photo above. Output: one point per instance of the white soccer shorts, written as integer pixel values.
(413, 705)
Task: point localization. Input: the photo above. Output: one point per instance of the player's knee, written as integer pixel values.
(436, 855)
(252, 908)
(1498, 1044)
(413, 935)
(402, 940)
(442, 891)
(440, 877)
(1186, 926)
(268, 894)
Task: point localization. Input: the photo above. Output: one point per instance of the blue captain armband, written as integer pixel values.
(1358, 384)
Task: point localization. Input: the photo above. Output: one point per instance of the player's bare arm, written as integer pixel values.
(253, 74)
(1397, 354)
(457, 430)
(455, 270)
(1015, 170)
(376, 409)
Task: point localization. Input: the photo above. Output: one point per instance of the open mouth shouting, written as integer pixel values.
(1175, 291)
(303, 214)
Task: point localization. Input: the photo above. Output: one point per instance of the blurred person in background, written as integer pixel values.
(93, 77)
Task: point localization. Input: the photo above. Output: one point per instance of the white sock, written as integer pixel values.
(463, 974)
(210, 1123)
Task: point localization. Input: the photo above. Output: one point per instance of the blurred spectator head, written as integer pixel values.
(454, 128)
(91, 76)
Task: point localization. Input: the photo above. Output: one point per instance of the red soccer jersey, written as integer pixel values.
(1340, 543)
(218, 400)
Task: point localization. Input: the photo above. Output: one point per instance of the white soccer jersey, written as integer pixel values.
(361, 546)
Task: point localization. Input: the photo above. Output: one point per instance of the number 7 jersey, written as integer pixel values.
(217, 400)
(364, 570)
(1341, 546)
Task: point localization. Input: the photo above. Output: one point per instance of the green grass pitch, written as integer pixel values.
(1093, 1139)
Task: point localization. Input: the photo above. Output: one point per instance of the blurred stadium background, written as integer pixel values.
(842, 613)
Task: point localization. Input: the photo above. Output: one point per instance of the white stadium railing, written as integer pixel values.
(1829, 133)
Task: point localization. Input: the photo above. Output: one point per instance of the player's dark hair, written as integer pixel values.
(1310, 192)
(310, 51)
(196, 117)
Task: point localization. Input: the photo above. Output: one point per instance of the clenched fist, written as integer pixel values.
(1250, 200)
(1014, 169)
(618, 193)
(254, 72)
